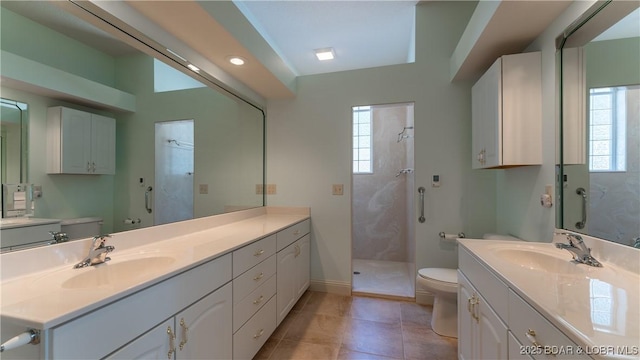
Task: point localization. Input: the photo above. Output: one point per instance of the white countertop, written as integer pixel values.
(593, 306)
(33, 296)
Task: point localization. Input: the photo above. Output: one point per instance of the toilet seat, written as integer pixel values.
(445, 280)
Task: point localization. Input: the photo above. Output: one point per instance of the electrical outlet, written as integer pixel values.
(259, 189)
(204, 188)
(271, 189)
(338, 189)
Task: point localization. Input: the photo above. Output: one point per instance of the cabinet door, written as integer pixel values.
(103, 144)
(204, 330)
(303, 264)
(75, 141)
(466, 322)
(486, 118)
(152, 345)
(286, 280)
(492, 333)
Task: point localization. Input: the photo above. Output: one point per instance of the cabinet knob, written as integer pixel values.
(259, 252)
(258, 300)
(258, 277)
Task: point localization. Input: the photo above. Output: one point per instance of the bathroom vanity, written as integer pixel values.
(26, 231)
(530, 301)
(213, 287)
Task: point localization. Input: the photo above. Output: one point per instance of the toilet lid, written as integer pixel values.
(440, 274)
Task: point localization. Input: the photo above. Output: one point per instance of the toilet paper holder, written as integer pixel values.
(445, 236)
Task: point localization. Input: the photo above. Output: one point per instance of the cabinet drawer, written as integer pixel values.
(245, 309)
(292, 233)
(247, 257)
(246, 283)
(488, 285)
(522, 318)
(250, 338)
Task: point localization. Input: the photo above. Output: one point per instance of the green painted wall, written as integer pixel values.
(613, 62)
(31, 40)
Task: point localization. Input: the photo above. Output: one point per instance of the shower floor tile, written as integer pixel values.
(386, 278)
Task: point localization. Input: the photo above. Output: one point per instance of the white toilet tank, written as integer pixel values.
(80, 228)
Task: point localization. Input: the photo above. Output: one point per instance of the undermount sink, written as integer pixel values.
(117, 272)
(538, 260)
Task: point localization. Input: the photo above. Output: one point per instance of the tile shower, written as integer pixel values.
(383, 237)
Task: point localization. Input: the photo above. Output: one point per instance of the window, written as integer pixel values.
(362, 149)
(607, 129)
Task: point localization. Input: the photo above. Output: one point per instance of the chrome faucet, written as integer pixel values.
(97, 253)
(58, 237)
(636, 242)
(581, 253)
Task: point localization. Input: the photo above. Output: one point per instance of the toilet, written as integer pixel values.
(443, 284)
(80, 228)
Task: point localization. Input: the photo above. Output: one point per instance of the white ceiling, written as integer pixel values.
(363, 34)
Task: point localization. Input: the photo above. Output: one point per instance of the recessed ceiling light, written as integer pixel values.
(325, 54)
(236, 60)
(193, 67)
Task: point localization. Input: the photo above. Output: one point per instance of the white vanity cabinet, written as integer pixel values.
(293, 257)
(198, 332)
(254, 289)
(494, 322)
(79, 142)
(124, 325)
(507, 113)
(482, 334)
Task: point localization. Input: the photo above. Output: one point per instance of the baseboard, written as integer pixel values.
(423, 297)
(332, 287)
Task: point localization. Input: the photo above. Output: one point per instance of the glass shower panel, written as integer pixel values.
(173, 200)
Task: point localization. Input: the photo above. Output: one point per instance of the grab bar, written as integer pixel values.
(421, 190)
(583, 193)
(147, 199)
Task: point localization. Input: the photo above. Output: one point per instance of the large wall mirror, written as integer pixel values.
(600, 96)
(184, 147)
(14, 124)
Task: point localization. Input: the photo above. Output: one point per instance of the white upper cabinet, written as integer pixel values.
(79, 142)
(507, 113)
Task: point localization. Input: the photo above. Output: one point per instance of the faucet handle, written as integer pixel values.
(99, 240)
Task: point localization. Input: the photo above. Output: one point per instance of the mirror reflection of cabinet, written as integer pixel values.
(574, 107)
(507, 113)
(80, 142)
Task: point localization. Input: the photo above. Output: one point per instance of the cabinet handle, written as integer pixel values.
(172, 347)
(93, 166)
(258, 277)
(531, 335)
(296, 250)
(471, 306)
(259, 252)
(185, 330)
(88, 167)
(258, 334)
(258, 300)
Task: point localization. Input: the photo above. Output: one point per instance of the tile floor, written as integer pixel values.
(387, 278)
(325, 326)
